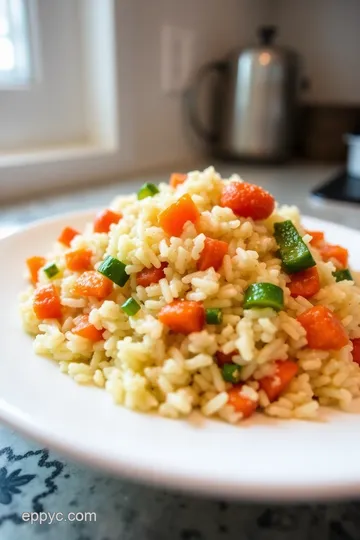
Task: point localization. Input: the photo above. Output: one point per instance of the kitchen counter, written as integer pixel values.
(47, 482)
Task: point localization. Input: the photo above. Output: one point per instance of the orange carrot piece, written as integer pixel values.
(78, 260)
(67, 235)
(85, 329)
(318, 238)
(183, 316)
(92, 283)
(34, 264)
(338, 253)
(247, 200)
(241, 402)
(212, 254)
(104, 219)
(323, 329)
(305, 283)
(147, 276)
(176, 179)
(46, 303)
(223, 358)
(356, 350)
(174, 217)
(275, 384)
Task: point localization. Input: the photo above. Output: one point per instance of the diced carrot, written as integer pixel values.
(223, 358)
(85, 329)
(241, 402)
(275, 384)
(305, 283)
(67, 235)
(46, 302)
(323, 329)
(337, 253)
(104, 219)
(93, 283)
(176, 179)
(318, 238)
(78, 260)
(183, 316)
(247, 200)
(174, 217)
(34, 264)
(356, 350)
(212, 254)
(147, 276)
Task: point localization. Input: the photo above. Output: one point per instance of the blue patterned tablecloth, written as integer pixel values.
(39, 482)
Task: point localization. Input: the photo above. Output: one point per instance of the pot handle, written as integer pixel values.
(191, 97)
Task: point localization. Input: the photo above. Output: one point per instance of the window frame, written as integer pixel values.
(21, 76)
(99, 156)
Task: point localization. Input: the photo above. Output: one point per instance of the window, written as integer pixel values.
(58, 94)
(14, 43)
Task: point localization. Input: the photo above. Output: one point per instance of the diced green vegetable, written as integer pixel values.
(51, 270)
(294, 253)
(231, 373)
(343, 275)
(263, 295)
(114, 269)
(213, 316)
(147, 190)
(130, 307)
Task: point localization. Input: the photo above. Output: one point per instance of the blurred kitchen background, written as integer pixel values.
(94, 92)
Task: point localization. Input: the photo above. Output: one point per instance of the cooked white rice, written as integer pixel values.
(146, 367)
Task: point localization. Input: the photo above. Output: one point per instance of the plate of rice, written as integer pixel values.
(195, 334)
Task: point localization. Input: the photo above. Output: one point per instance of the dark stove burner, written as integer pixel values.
(341, 188)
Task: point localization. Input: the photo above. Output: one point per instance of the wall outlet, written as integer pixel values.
(177, 50)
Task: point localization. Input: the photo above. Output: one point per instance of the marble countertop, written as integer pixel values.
(34, 479)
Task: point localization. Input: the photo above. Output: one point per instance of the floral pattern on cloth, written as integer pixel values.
(16, 484)
(10, 484)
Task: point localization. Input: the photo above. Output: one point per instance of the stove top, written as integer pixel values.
(340, 188)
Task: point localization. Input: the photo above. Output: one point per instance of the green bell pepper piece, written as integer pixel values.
(294, 253)
(264, 295)
(343, 275)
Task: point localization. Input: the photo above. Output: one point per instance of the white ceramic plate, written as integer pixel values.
(261, 458)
